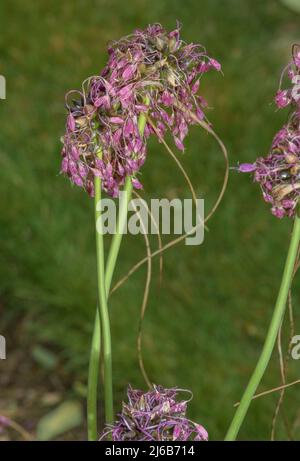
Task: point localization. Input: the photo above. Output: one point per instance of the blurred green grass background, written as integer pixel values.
(205, 325)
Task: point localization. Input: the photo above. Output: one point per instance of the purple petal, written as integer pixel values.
(202, 433)
(117, 120)
(247, 167)
(178, 143)
(125, 92)
(102, 101)
(215, 64)
(167, 98)
(71, 122)
(195, 86)
(279, 212)
(77, 180)
(64, 165)
(136, 183)
(282, 99)
(75, 153)
(128, 72)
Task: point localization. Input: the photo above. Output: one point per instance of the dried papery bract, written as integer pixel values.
(150, 65)
(156, 415)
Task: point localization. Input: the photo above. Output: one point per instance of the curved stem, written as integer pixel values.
(271, 334)
(103, 308)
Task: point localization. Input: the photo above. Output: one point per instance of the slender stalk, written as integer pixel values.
(271, 334)
(103, 308)
(93, 380)
(117, 237)
(104, 283)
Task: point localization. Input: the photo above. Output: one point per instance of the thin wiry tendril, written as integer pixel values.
(178, 163)
(283, 380)
(271, 391)
(283, 367)
(210, 214)
(283, 361)
(146, 295)
(144, 306)
(159, 240)
(6, 422)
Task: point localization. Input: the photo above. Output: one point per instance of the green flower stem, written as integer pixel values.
(111, 262)
(96, 339)
(103, 309)
(271, 334)
(93, 380)
(117, 237)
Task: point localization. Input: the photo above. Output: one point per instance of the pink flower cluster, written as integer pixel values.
(151, 72)
(155, 415)
(279, 173)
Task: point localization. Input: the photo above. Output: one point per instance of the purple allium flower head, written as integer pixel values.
(154, 415)
(279, 172)
(151, 71)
